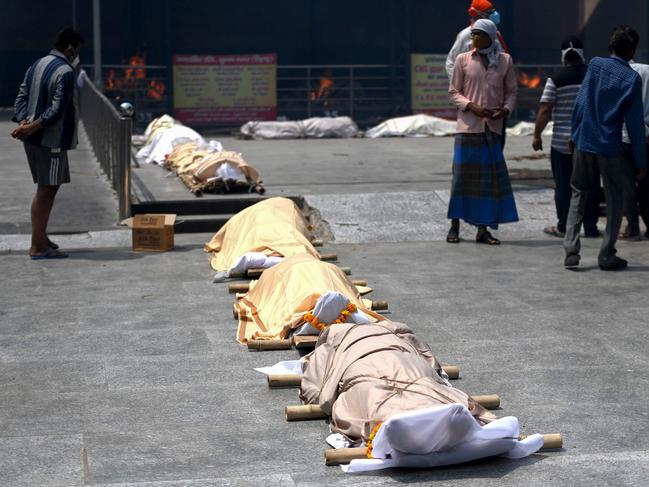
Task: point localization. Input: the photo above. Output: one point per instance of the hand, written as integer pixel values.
(25, 130)
(641, 174)
(479, 111)
(571, 146)
(499, 113)
(537, 143)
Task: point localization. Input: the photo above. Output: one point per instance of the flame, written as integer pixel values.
(135, 72)
(528, 81)
(326, 84)
(154, 89)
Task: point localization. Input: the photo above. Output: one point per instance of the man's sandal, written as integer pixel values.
(49, 254)
(486, 238)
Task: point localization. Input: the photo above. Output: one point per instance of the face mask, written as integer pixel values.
(495, 17)
(75, 62)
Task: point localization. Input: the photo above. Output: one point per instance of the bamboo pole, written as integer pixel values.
(328, 257)
(235, 313)
(379, 305)
(279, 381)
(256, 273)
(317, 242)
(305, 412)
(297, 341)
(239, 287)
(359, 282)
(343, 456)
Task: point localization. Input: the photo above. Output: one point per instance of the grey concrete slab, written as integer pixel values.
(52, 461)
(87, 203)
(273, 480)
(55, 376)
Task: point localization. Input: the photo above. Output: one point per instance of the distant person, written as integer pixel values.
(481, 192)
(479, 9)
(610, 95)
(638, 201)
(557, 104)
(45, 112)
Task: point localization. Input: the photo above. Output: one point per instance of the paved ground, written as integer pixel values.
(120, 369)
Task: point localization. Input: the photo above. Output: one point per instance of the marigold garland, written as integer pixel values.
(371, 439)
(319, 325)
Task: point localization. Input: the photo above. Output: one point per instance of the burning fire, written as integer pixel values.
(326, 84)
(134, 78)
(528, 81)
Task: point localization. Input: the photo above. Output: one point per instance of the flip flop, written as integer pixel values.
(49, 254)
(554, 231)
(52, 245)
(486, 238)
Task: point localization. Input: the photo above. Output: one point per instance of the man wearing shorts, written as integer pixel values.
(45, 112)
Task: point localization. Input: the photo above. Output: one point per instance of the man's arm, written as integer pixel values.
(543, 117)
(510, 85)
(634, 118)
(22, 100)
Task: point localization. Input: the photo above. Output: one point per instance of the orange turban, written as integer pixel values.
(479, 6)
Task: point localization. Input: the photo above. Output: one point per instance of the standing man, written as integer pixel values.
(638, 201)
(557, 103)
(479, 9)
(483, 87)
(45, 112)
(610, 95)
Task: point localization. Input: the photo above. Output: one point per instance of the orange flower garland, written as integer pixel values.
(371, 439)
(319, 325)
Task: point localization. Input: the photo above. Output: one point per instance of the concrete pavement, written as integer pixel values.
(121, 369)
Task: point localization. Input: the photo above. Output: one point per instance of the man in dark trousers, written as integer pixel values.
(610, 95)
(557, 104)
(45, 112)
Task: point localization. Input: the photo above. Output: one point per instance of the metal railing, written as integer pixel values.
(109, 132)
(362, 92)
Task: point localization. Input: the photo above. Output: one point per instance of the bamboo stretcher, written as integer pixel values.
(245, 287)
(306, 412)
(255, 273)
(287, 381)
(376, 306)
(343, 456)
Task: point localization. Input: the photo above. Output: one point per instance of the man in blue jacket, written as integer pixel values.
(45, 112)
(610, 95)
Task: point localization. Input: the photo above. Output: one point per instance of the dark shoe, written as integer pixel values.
(484, 237)
(616, 264)
(571, 261)
(452, 236)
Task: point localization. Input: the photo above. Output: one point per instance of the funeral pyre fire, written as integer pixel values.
(133, 77)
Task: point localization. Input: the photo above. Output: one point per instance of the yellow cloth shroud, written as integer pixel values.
(274, 227)
(276, 303)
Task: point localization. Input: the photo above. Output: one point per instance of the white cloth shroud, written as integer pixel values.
(253, 260)
(443, 435)
(327, 309)
(315, 127)
(413, 126)
(163, 144)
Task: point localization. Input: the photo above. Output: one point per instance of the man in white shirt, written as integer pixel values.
(480, 9)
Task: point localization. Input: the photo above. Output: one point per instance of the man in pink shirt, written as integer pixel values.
(483, 87)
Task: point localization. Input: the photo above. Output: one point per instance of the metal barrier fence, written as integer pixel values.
(109, 132)
(362, 92)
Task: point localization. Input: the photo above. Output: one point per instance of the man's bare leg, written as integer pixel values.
(41, 209)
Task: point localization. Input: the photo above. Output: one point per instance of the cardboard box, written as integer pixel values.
(152, 232)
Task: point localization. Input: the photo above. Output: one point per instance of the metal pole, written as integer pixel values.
(96, 30)
(124, 165)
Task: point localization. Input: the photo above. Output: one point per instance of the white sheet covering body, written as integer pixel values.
(164, 142)
(413, 126)
(316, 127)
(443, 435)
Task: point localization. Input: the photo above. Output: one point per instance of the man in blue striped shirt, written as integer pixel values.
(45, 112)
(610, 95)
